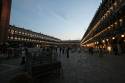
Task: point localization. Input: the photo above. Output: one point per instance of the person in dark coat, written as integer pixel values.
(23, 57)
(67, 52)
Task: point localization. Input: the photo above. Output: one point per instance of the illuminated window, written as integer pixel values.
(15, 38)
(25, 33)
(11, 37)
(103, 41)
(115, 23)
(9, 30)
(8, 37)
(12, 31)
(18, 38)
(109, 27)
(97, 42)
(19, 32)
(121, 21)
(115, 4)
(15, 31)
(37, 45)
(111, 8)
(112, 26)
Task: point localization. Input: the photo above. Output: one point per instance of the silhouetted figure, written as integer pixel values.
(23, 57)
(67, 52)
(28, 60)
(91, 51)
(115, 50)
(60, 50)
(63, 49)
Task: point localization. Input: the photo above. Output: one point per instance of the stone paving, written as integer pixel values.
(79, 68)
(9, 68)
(84, 68)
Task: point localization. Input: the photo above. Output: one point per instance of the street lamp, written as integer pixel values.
(103, 41)
(122, 35)
(109, 48)
(113, 38)
(107, 39)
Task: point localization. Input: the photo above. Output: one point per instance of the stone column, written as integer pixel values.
(5, 7)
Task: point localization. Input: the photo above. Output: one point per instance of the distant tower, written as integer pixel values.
(5, 8)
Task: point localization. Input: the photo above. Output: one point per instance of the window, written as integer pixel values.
(121, 21)
(116, 24)
(12, 31)
(19, 32)
(8, 30)
(11, 37)
(15, 38)
(8, 37)
(15, 31)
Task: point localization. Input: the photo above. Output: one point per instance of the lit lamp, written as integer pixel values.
(87, 45)
(109, 27)
(122, 35)
(113, 38)
(103, 41)
(109, 48)
(120, 20)
(97, 42)
(115, 23)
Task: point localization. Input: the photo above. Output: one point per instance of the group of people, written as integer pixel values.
(57, 51)
(65, 50)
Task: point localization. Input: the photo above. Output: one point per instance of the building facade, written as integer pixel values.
(70, 43)
(19, 36)
(16, 36)
(107, 28)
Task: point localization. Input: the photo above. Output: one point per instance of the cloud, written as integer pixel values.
(61, 15)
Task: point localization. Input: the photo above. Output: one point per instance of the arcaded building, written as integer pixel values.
(19, 36)
(16, 36)
(70, 43)
(107, 28)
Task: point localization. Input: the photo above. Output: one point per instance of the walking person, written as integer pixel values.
(90, 51)
(60, 51)
(23, 58)
(63, 49)
(67, 52)
(28, 61)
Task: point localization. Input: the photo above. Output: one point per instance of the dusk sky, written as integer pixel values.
(64, 19)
